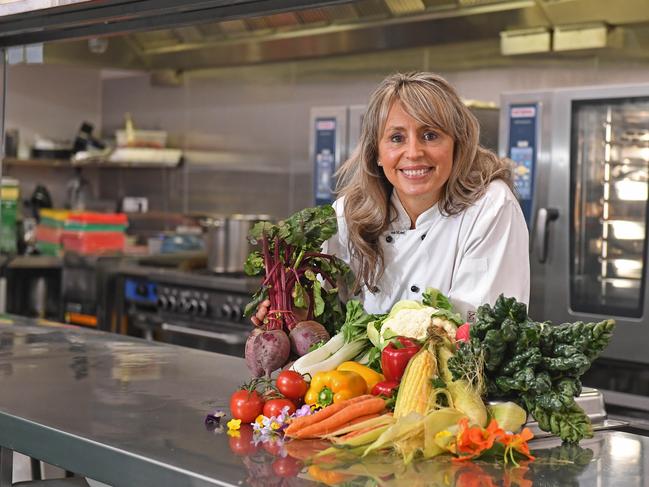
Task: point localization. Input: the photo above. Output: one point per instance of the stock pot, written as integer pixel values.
(227, 241)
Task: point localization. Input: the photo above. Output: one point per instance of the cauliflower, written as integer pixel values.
(415, 323)
(447, 325)
(415, 319)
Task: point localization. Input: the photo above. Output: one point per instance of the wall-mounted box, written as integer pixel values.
(525, 41)
(586, 36)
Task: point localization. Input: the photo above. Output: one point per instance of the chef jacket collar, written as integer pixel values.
(401, 221)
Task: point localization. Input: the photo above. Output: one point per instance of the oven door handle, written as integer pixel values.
(543, 219)
(230, 339)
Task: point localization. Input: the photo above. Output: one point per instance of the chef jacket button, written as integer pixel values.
(414, 289)
(389, 239)
(423, 236)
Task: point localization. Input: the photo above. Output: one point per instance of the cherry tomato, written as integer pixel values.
(246, 406)
(287, 467)
(292, 384)
(243, 444)
(274, 407)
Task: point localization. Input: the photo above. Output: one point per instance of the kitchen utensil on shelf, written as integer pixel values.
(238, 246)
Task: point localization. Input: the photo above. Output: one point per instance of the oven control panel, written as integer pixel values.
(200, 303)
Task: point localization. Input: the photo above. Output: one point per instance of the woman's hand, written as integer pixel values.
(262, 311)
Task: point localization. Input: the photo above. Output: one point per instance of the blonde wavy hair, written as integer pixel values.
(431, 101)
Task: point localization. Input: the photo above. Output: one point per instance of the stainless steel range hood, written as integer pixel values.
(215, 34)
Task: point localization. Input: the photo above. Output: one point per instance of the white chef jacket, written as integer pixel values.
(472, 257)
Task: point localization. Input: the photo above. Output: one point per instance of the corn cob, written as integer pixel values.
(416, 386)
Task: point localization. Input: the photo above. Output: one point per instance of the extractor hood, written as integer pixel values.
(190, 35)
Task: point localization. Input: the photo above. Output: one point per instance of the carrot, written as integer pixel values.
(347, 414)
(304, 421)
(360, 419)
(353, 434)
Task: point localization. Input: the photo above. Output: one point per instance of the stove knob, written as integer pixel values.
(184, 305)
(202, 307)
(226, 311)
(171, 300)
(237, 313)
(192, 306)
(163, 302)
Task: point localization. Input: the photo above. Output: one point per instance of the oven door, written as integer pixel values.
(220, 337)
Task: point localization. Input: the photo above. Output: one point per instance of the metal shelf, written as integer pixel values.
(13, 162)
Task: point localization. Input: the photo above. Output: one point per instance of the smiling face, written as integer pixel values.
(416, 159)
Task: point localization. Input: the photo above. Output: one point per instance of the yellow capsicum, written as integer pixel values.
(371, 377)
(334, 386)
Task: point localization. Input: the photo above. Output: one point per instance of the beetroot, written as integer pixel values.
(266, 351)
(305, 334)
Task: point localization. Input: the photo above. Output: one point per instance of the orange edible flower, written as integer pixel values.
(517, 443)
(472, 441)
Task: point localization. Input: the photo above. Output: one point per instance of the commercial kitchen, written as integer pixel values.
(142, 140)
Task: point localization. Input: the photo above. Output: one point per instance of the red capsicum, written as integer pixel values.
(395, 357)
(385, 388)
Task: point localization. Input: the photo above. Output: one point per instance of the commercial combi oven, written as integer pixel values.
(582, 172)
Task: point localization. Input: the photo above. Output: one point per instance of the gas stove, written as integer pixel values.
(194, 308)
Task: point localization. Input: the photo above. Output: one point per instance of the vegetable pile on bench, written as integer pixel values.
(537, 365)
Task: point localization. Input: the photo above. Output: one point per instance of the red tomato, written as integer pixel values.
(246, 406)
(243, 444)
(274, 407)
(292, 384)
(287, 467)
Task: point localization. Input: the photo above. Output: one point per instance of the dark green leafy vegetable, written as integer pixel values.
(294, 269)
(538, 364)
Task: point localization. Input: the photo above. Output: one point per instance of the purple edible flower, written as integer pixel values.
(213, 419)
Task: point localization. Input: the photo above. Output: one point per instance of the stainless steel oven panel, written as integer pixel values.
(542, 182)
(356, 113)
(217, 337)
(228, 338)
(631, 338)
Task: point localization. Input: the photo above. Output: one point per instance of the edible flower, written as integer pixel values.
(213, 421)
(517, 443)
(305, 410)
(233, 426)
(471, 442)
(266, 428)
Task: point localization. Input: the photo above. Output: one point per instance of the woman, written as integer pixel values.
(423, 205)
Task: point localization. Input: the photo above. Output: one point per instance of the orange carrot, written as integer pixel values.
(346, 437)
(304, 421)
(335, 421)
(360, 419)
